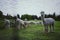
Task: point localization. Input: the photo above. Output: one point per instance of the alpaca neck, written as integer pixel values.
(42, 19)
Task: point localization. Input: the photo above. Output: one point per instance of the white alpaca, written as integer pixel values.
(19, 23)
(22, 23)
(38, 22)
(47, 22)
(26, 22)
(7, 23)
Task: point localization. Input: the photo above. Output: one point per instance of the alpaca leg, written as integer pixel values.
(24, 25)
(8, 26)
(46, 28)
(20, 26)
(52, 27)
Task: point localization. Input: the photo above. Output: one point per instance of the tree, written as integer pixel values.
(46, 16)
(26, 16)
(50, 16)
(8, 16)
(1, 14)
(34, 17)
(39, 17)
(54, 15)
(14, 17)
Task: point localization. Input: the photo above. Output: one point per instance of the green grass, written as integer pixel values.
(32, 32)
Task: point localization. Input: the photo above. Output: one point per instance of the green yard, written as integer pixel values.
(32, 32)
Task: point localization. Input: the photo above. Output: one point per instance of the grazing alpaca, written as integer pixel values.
(47, 22)
(26, 22)
(7, 23)
(19, 23)
(22, 23)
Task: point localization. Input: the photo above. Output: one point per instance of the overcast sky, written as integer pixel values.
(33, 7)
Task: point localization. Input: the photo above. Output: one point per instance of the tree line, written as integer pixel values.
(30, 17)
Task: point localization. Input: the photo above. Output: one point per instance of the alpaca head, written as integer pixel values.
(42, 15)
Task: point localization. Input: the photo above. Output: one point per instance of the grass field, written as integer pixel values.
(32, 32)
